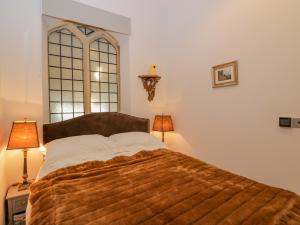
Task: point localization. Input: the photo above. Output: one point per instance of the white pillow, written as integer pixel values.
(131, 138)
(75, 150)
(78, 147)
(78, 144)
(133, 142)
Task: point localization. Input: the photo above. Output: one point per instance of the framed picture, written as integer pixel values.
(225, 74)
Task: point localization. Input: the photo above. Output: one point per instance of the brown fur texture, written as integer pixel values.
(157, 187)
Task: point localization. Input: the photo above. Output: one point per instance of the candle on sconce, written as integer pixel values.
(152, 70)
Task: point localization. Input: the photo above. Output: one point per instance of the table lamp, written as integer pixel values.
(23, 135)
(163, 123)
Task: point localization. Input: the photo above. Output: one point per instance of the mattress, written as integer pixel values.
(157, 187)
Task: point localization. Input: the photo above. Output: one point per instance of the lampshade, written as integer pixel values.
(163, 123)
(23, 135)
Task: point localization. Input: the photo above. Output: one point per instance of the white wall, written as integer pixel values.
(21, 81)
(235, 127)
(2, 168)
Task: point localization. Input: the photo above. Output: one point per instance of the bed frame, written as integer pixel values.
(105, 124)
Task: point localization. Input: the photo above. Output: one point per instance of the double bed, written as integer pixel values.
(106, 168)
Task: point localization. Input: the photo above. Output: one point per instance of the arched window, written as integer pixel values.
(104, 76)
(83, 72)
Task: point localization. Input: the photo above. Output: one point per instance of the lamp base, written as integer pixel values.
(24, 186)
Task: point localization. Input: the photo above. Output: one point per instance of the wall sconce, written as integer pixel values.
(149, 83)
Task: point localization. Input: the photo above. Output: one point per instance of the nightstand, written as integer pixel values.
(16, 202)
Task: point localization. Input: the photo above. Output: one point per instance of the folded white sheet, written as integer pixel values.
(79, 149)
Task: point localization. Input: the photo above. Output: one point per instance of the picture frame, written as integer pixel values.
(225, 74)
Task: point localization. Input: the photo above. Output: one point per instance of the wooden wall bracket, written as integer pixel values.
(149, 82)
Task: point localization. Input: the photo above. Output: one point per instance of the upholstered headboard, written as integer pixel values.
(105, 124)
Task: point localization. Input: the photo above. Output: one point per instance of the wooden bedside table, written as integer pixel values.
(16, 202)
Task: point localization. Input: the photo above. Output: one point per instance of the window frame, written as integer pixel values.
(86, 40)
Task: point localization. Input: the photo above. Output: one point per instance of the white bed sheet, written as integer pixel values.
(70, 158)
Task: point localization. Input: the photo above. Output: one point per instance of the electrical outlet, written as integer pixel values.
(296, 122)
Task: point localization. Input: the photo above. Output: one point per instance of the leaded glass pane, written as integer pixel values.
(112, 68)
(77, 64)
(76, 42)
(66, 85)
(67, 116)
(103, 47)
(104, 77)
(54, 49)
(54, 72)
(104, 67)
(94, 55)
(104, 107)
(112, 49)
(55, 96)
(95, 76)
(104, 97)
(113, 78)
(78, 85)
(54, 60)
(95, 107)
(78, 107)
(55, 118)
(113, 107)
(78, 96)
(66, 51)
(55, 107)
(113, 98)
(77, 75)
(112, 59)
(67, 96)
(95, 97)
(66, 39)
(67, 107)
(54, 38)
(55, 84)
(113, 88)
(104, 87)
(77, 53)
(66, 62)
(85, 30)
(103, 57)
(66, 73)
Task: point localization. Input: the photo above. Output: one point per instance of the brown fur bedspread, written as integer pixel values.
(158, 187)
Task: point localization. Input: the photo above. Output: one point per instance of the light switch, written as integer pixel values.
(285, 122)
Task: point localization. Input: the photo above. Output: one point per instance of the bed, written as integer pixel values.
(105, 168)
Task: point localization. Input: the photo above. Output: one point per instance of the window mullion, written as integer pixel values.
(86, 74)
